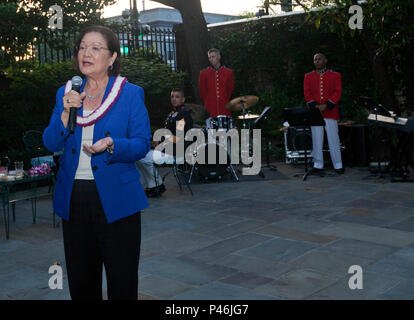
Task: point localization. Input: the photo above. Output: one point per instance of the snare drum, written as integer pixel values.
(222, 123)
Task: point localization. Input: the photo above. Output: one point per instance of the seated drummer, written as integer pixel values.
(216, 84)
(178, 119)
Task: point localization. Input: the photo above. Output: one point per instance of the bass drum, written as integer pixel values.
(213, 170)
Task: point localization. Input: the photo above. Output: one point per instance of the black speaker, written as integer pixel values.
(213, 170)
(355, 140)
(298, 138)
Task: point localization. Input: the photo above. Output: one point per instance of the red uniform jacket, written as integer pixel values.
(325, 88)
(215, 89)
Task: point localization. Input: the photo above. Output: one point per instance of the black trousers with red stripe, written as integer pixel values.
(91, 243)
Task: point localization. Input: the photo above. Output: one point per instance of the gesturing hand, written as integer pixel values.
(99, 146)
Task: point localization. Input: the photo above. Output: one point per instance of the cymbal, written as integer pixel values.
(237, 103)
(198, 113)
(249, 116)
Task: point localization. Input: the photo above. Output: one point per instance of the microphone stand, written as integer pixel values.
(262, 118)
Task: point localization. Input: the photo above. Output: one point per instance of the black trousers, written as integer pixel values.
(90, 243)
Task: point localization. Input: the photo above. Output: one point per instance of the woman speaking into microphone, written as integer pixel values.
(98, 193)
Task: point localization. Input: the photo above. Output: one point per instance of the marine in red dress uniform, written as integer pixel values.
(324, 87)
(322, 90)
(216, 84)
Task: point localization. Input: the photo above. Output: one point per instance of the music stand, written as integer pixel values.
(378, 110)
(263, 117)
(304, 117)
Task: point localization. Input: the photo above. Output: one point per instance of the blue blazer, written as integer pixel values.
(116, 176)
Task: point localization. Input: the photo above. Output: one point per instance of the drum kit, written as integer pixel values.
(217, 170)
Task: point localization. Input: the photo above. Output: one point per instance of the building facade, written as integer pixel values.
(159, 36)
(166, 18)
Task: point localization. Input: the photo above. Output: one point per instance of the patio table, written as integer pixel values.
(10, 194)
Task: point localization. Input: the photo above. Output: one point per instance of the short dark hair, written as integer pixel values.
(112, 43)
(180, 90)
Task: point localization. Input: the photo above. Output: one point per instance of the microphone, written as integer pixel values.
(73, 113)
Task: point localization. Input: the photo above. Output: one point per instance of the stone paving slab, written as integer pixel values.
(408, 204)
(278, 250)
(161, 287)
(266, 215)
(373, 285)
(404, 225)
(400, 263)
(305, 224)
(392, 196)
(393, 187)
(330, 263)
(175, 243)
(185, 270)
(367, 203)
(254, 265)
(300, 197)
(316, 211)
(251, 203)
(365, 188)
(367, 233)
(395, 214)
(246, 280)
(369, 220)
(403, 291)
(297, 284)
(296, 234)
(227, 246)
(232, 230)
(343, 198)
(360, 249)
(25, 277)
(222, 291)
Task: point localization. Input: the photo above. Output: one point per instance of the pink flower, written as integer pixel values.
(41, 170)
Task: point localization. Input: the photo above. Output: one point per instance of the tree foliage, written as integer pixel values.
(75, 12)
(387, 36)
(21, 21)
(389, 20)
(16, 31)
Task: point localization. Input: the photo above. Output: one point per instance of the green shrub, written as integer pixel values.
(27, 104)
(157, 80)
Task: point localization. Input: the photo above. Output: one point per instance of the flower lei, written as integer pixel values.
(105, 106)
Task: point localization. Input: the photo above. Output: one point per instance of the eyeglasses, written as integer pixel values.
(95, 49)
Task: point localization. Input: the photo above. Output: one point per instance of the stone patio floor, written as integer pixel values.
(279, 238)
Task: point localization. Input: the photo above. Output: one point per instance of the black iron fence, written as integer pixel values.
(55, 45)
